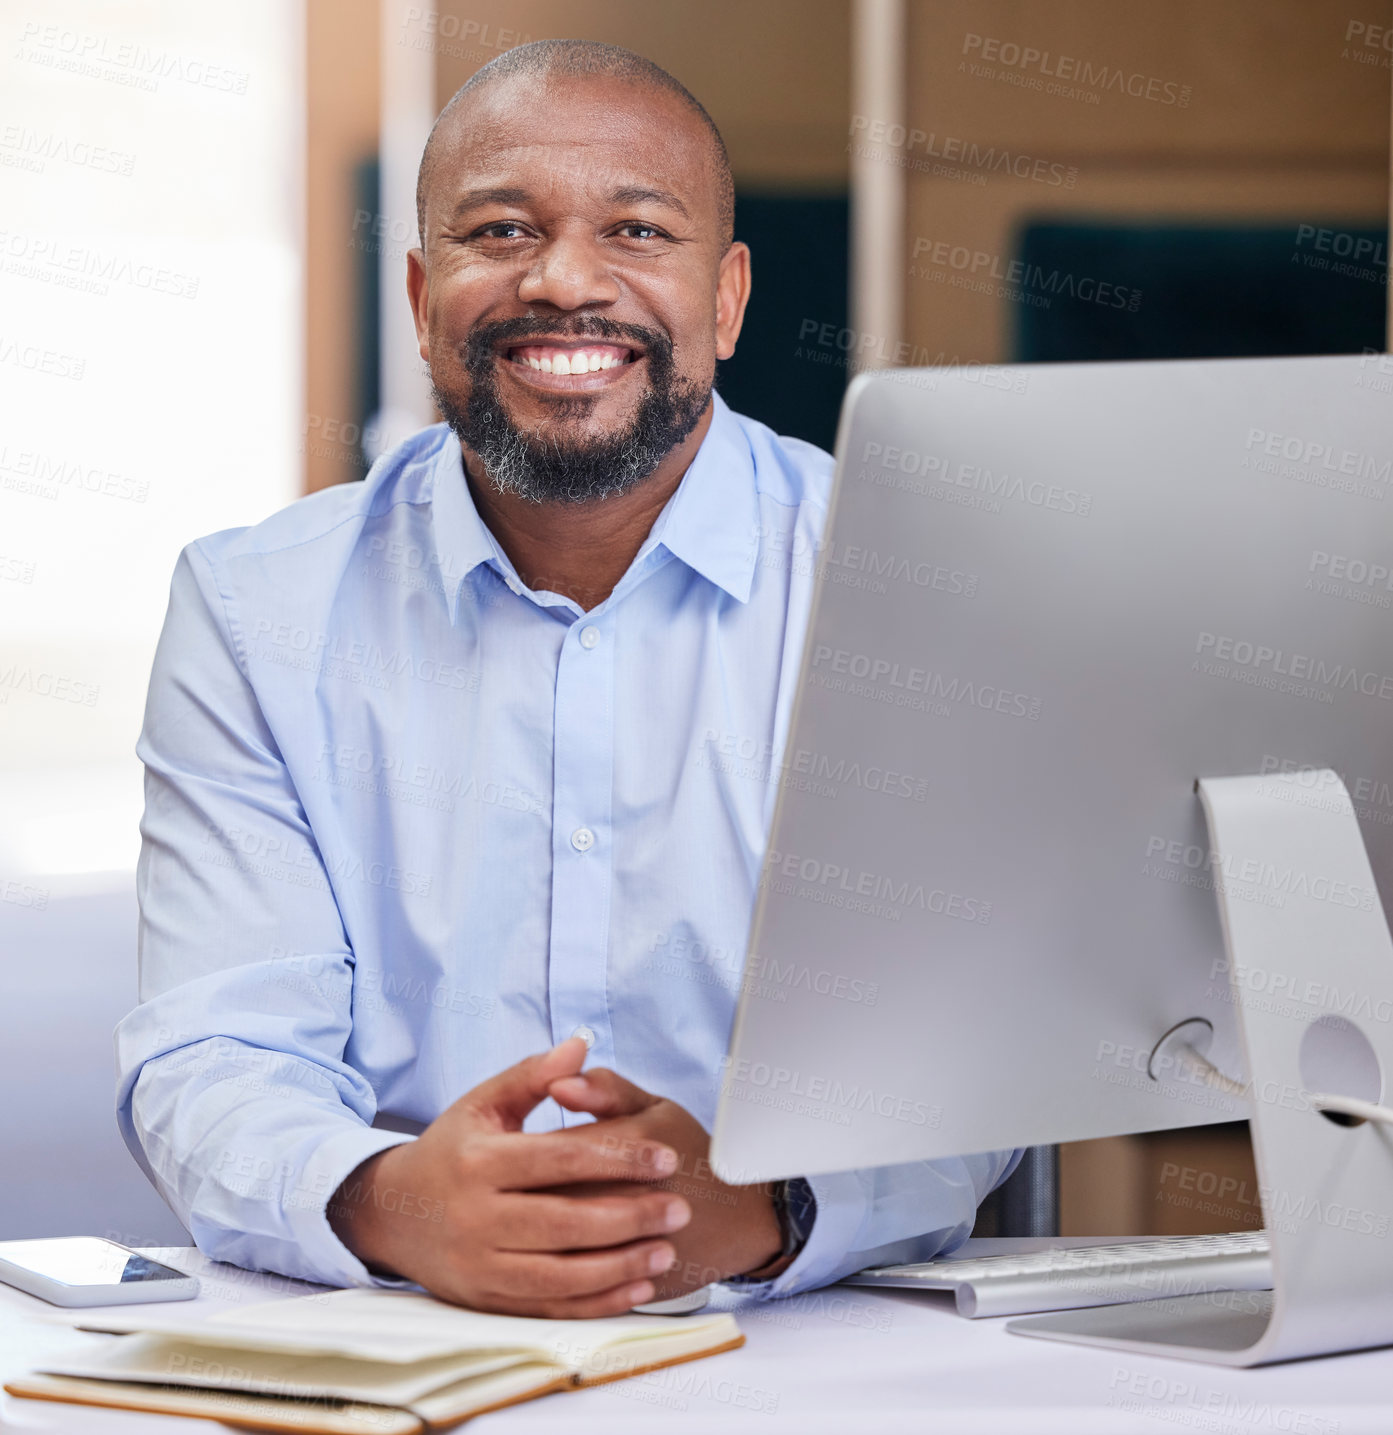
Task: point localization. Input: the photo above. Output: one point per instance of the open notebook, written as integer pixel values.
(378, 1361)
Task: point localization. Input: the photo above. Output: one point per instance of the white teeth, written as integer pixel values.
(578, 361)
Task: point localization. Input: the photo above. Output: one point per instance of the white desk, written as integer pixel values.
(841, 1361)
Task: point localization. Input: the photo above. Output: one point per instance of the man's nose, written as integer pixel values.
(569, 272)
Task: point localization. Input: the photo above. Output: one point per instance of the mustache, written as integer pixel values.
(485, 339)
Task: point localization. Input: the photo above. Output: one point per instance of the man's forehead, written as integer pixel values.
(595, 136)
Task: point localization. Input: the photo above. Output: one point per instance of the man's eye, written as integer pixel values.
(501, 229)
(635, 230)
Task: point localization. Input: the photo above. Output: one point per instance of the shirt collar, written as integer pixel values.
(462, 539)
(711, 523)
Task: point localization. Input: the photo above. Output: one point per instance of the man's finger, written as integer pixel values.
(517, 1162)
(618, 1301)
(531, 1275)
(601, 1093)
(536, 1221)
(504, 1100)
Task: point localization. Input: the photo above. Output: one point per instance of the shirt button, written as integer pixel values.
(586, 1034)
(582, 839)
(589, 636)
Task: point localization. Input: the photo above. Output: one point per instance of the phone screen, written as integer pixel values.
(85, 1261)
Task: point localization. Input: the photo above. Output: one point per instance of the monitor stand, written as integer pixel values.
(1312, 988)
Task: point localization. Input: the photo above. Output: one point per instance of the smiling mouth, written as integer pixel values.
(572, 358)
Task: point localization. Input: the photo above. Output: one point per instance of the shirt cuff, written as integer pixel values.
(841, 1212)
(307, 1216)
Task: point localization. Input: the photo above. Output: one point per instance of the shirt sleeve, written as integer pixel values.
(233, 1091)
(886, 1215)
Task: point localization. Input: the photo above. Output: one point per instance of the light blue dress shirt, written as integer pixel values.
(408, 821)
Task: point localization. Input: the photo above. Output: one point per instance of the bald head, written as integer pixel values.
(543, 60)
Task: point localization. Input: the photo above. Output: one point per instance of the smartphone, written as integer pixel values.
(85, 1270)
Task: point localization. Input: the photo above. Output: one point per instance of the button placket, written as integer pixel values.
(583, 775)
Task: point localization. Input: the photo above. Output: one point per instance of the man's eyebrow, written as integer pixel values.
(636, 194)
(492, 194)
(516, 195)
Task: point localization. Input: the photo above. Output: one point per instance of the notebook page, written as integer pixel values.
(373, 1324)
(261, 1412)
(161, 1359)
(397, 1327)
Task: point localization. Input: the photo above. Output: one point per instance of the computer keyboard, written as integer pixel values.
(1065, 1278)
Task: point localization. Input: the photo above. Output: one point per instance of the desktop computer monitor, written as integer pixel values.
(1051, 598)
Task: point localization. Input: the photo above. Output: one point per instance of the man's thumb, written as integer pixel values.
(506, 1099)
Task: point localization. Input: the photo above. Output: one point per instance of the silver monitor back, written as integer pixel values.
(1051, 598)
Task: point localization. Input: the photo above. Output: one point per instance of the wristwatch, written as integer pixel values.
(796, 1209)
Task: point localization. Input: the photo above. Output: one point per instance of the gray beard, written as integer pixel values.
(542, 469)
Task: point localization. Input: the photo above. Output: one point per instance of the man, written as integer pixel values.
(434, 775)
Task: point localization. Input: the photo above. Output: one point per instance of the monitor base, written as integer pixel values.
(1209, 1327)
(1310, 974)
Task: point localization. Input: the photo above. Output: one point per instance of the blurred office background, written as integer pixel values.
(204, 214)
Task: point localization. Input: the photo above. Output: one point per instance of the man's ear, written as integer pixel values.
(417, 290)
(732, 294)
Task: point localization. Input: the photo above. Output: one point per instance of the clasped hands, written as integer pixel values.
(586, 1221)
